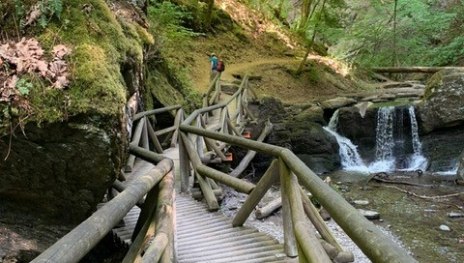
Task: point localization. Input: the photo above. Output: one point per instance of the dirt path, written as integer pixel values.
(249, 67)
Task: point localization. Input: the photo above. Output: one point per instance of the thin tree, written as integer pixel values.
(311, 43)
(209, 13)
(305, 11)
(394, 55)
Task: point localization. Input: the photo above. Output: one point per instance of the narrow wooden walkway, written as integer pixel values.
(203, 236)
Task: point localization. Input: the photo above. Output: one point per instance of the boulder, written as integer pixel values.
(61, 171)
(301, 131)
(443, 103)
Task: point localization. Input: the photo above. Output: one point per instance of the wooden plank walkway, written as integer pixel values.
(203, 236)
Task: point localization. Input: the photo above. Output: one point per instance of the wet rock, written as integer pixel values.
(361, 202)
(460, 171)
(445, 228)
(369, 214)
(443, 104)
(455, 215)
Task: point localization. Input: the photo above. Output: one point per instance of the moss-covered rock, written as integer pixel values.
(443, 104)
(73, 142)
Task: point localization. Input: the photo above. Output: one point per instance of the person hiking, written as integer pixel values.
(214, 62)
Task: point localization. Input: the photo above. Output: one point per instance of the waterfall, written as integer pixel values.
(416, 160)
(395, 149)
(349, 156)
(384, 158)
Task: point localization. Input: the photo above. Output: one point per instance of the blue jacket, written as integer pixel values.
(214, 62)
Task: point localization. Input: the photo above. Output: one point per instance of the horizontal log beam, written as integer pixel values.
(429, 70)
(155, 111)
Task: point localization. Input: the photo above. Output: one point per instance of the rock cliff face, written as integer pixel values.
(60, 171)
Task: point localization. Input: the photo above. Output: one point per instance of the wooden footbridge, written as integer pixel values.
(154, 214)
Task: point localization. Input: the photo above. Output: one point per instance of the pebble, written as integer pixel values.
(369, 214)
(455, 215)
(445, 228)
(361, 202)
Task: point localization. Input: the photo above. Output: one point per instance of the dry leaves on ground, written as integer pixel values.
(27, 57)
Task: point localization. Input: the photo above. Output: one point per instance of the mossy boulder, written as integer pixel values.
(301, 131)
(443, 103)
(73, 143)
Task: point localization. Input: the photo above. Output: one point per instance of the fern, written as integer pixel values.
(55, 7)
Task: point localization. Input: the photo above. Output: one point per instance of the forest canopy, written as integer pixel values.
(377, 32)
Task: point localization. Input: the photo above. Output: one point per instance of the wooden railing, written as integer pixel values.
(155, 223)
(196, 138)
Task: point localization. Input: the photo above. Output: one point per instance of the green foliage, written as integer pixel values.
(49, 9)
(24, 86)
(167, 23)
(422, 33)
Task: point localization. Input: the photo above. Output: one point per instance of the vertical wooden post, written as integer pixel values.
(154, 138)
(290, 245)
(179, 118)
(184, 167)
(270, 176)
(145, 143)
(207, 193)
(135, 140)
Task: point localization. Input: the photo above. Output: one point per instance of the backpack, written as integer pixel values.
(220, 66)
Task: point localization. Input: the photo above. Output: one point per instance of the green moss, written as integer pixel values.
(434, 82)
(100, 44)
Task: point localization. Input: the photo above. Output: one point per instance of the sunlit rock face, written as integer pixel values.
(443, 103)
(60, 171)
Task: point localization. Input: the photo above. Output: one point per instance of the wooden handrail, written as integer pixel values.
(155, 111)
(77, 243)
(375, 244)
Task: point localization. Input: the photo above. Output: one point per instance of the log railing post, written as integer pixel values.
(304, 233)
(270, 177)
(184, 167)
(135, 140)
(290, 245)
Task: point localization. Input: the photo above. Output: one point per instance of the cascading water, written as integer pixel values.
(393, 149)
(350, 158)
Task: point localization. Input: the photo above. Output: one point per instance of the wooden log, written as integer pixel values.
(136, 247)
(179, 118)
(429, 70)
(237, 184)
(144, 138)
(376, 245)
(164, 223)
(318, 222)
(251, 154)
(135, 140)
(155, 111)
(184, 167)
(118, 187)
(290, 245)
(269, 178)
(154, 138)
(165, 131)
(146, 212)
(306, 237)
(208, 193)
(79, 241)
(146, 155)
(212, 144)
(233, 128)
(269, 208)
(198, 195)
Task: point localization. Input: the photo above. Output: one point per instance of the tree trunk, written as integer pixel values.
(209, 12)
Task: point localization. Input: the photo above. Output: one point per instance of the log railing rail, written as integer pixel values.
(298, 211)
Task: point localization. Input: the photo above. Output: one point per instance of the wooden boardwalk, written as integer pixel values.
(203, 236)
